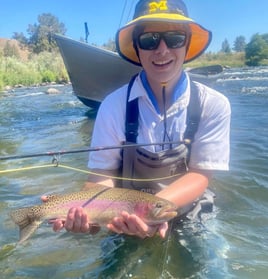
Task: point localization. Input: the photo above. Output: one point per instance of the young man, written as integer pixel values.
(180, 161)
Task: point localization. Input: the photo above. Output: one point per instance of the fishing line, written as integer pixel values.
(120, 177)
(165, 260)
(95, 196)
(25, 169)
(130, 10)
(58, 165)
(166, 135)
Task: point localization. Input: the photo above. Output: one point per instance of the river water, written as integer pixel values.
(231, 242)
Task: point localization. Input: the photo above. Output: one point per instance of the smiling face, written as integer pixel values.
(163, 64)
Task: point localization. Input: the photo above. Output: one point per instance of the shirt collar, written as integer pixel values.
(179, 89)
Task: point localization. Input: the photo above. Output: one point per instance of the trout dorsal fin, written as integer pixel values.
(51, 197)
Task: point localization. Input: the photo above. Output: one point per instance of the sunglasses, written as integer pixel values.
(151, 40)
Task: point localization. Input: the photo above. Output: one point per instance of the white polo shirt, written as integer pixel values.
(210, 149)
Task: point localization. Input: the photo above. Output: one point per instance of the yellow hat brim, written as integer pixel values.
(200, 37)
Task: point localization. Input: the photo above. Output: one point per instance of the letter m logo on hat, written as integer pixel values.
(155, 6)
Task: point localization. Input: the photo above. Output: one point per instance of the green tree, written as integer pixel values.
(41, 33)
(256, 50)
(239, 44)
(225, 46)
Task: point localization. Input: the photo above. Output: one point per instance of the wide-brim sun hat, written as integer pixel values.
(169, 11)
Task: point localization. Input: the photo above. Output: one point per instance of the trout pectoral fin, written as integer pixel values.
(27, 221)
(27, 230)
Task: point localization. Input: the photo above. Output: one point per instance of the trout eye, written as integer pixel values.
(158, 205)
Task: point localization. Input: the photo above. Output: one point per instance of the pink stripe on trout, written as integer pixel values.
(101, 203)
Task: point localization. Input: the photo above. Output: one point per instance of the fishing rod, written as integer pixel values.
(91, 149)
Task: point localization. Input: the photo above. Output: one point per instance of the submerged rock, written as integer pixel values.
(52, 91)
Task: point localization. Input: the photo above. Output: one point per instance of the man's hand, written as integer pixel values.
(131, 224)
(76, 221)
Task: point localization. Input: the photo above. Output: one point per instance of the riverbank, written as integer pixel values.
(227, 60)
(37, 70)
(49, 67)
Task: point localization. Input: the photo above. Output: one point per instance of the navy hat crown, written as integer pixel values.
(146, 7)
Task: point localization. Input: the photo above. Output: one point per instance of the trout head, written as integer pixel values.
(157, 212)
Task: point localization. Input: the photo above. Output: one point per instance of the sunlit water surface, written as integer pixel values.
(231, 242)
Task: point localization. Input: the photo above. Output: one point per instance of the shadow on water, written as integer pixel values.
(92, 113)
(190, 251)
(147, 259)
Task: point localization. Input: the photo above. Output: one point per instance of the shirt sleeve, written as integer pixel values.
(211, 146)
(108, 132)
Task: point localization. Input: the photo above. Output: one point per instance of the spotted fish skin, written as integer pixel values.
(101, 203)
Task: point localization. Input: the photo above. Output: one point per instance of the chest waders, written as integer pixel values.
(152, 171)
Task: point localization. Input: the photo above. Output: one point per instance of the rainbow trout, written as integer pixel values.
(101, 203)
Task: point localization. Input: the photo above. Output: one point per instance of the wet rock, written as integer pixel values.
(52, 91)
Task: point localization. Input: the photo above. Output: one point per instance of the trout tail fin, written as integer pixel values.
(27, 225)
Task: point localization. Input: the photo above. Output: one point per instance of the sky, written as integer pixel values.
(227, 19)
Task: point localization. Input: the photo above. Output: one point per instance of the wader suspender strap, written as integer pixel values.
(193, 114)
(132, 115)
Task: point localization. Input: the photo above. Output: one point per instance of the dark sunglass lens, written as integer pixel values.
(174, 39)
(149, 41)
